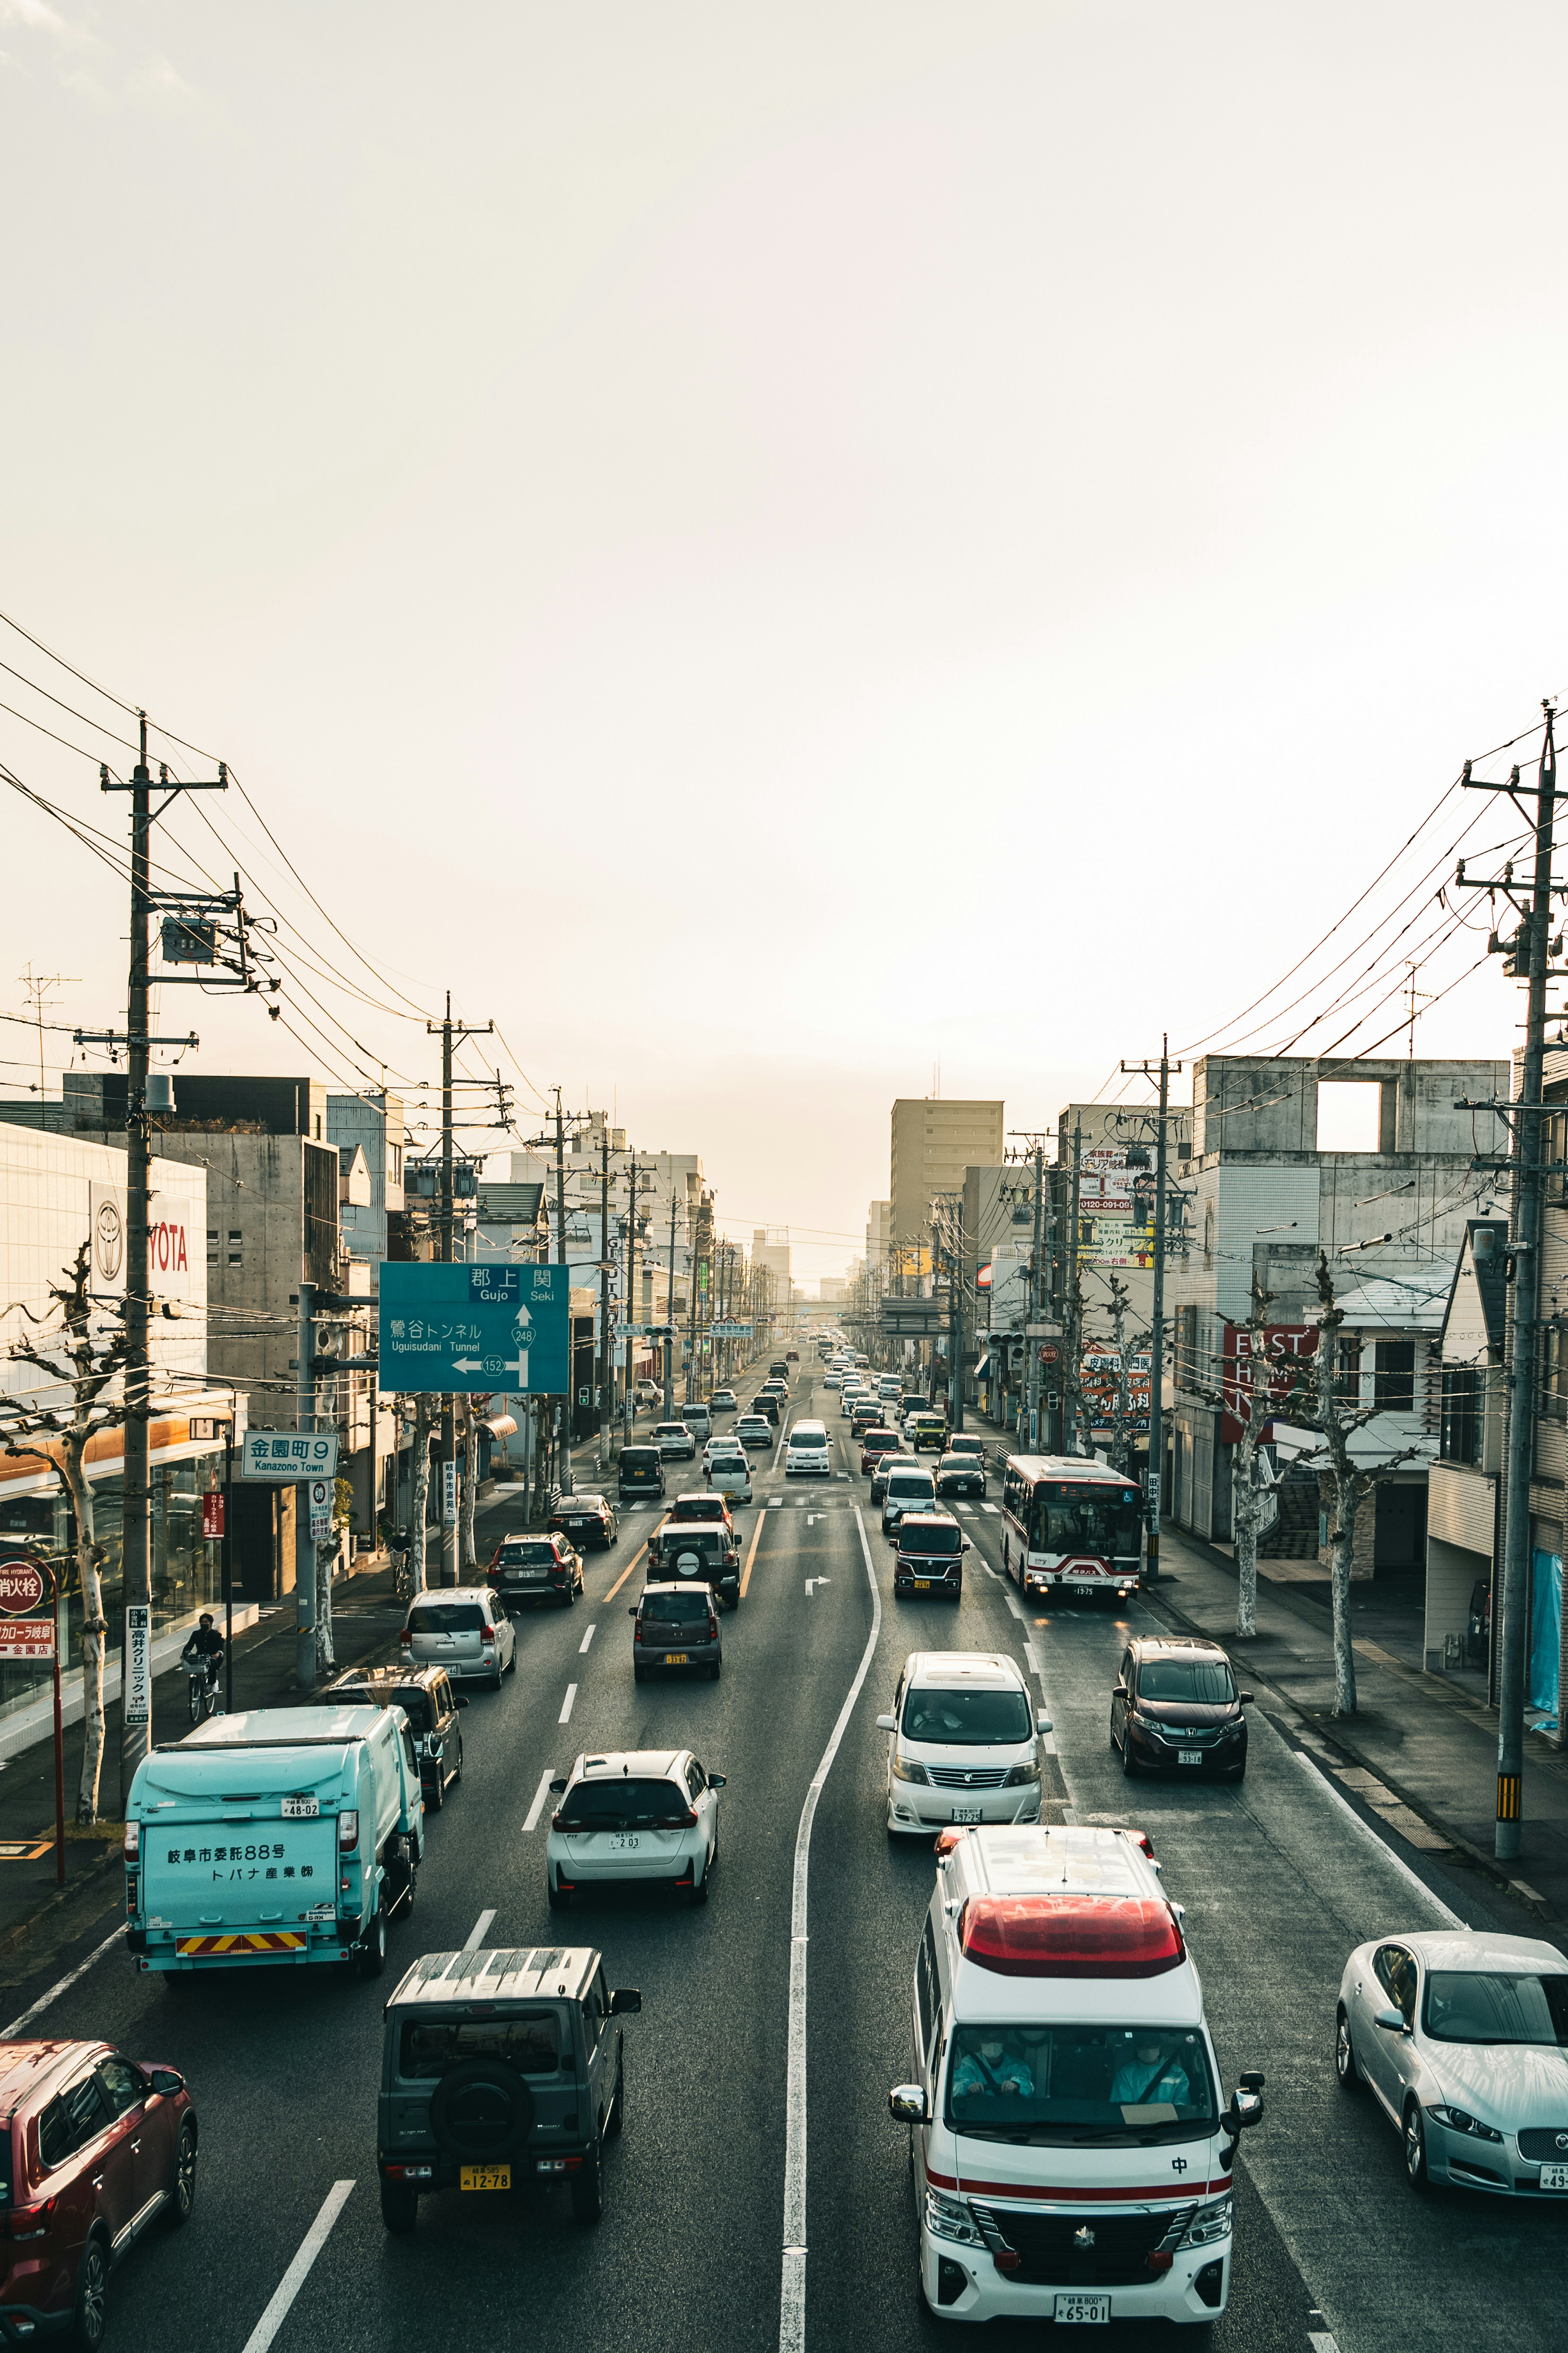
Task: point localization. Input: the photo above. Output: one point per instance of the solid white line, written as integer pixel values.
(7, 2034)
(294, 2278)
(540, 1795)
(792, 2294)
(1382, 1844)
(586, 1639)
(476, 1936)
(565, 1714)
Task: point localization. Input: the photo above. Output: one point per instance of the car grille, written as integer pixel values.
(972, 1777)
(1202, 1738)
(1547, 2143)
(1119, 2256)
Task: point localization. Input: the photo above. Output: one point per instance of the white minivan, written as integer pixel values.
(963, 1743)
(1072, 2160)
(805, 1454)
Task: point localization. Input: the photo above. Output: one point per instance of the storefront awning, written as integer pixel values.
(500, 1425)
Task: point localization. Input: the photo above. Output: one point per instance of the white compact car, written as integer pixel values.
(754, 1433)
(832, 1380)
(464, 1629)
(963, 1743)
(632, 1814)
(729, 1475)
(1462, 2037)
(806, 1452)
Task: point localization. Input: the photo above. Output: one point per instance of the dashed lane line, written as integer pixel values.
(476, 1936)
(540, 1795)
(565, 1714)
(294, 2278)
(587, 1638)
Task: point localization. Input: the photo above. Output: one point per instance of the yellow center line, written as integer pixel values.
(756, 1539)
(625, 1572)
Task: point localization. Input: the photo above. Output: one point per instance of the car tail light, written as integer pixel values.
(712, 1627)
(348, 1829)
(406, 1637)
(555, 1820)
(132, 1841)
(486, 1634)
(686, 1821)
(1142, 1839)
(32, 2221)
(637, 1631)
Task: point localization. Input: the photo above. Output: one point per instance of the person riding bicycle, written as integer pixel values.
(204, 1643)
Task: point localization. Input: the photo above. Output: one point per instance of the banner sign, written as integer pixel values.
(212, 1517)
(1100, 1371)
(280, 1454)
(26, 1638)
(448, 1495)
(1285, 1346)
(138, 1707)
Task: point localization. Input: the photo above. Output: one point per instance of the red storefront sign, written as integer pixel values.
(212, 1517)
(1285, 1346)
(26, 1638)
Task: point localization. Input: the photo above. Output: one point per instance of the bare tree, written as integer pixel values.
(86, 1362)
(420, 1502)
(1252, 1404)
(1122, 1412)
(465, 1553)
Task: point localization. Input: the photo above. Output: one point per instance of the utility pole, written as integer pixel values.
(1157, 1318)
(1524, 1246)
(304, 1541)
(669, 1315)
(565, 1481)
(955, 1323)
(629, 1400)
(1072, 1321)
(606, 1353)
(1032, 1315)
(450, 1031)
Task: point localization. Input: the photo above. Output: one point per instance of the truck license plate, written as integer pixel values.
(485, 2177)
(1555, 2177)
(1189, 1755)
(299, 1810)
(966, 1813)
(1083, 2307)
(922, 1584)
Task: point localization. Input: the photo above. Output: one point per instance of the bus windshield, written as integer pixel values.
(1066, 1517)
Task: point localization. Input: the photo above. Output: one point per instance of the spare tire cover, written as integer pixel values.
(481, 2110)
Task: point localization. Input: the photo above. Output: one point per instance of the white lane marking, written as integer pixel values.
(1321, 2341)
(476, 1936)
(1367, 1831)
(55, 1991)
(812, 1518)
(565, 1714)
(294, 2278)
(994, 1509)
(540, 1795)
(1010, 1599)
(844, 1475)
(1035, 1666)
(967, 1510)
(792, 2291)
(773, 1502)
(587, 1638)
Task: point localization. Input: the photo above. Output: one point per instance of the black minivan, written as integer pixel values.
(641, 1471)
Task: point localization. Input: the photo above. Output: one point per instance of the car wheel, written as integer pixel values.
(373, 1946)
(399, 2206)
(570, 1596)
(588, 2187)
(699, 1886)
(89, 2317)
(715, 1671)
(559, 1896)
(1346, 2067)
(183, 2187)
(1128, 1766)
(1416, 2146)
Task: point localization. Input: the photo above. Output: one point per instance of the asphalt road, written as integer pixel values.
(1278, 1879)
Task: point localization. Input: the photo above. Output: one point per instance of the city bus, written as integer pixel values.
(1069, 1524)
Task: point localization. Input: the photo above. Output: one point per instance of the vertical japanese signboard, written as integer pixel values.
(138, 1693)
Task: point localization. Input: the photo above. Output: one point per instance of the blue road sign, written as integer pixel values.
(475, 1327)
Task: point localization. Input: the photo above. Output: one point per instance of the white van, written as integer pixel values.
(1072, 2160)
(698, 1421)
(806, 1455)
(963, 1743)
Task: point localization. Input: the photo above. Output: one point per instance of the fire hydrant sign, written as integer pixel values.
(474, 1329)
(279, 1454)
(22, 1588)
(26, 1638)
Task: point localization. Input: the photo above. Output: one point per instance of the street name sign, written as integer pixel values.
(729, 1330)
(289, 1458)
(475, 1328)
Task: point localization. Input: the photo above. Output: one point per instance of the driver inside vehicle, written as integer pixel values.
(990, 2068)
(1153, 2074)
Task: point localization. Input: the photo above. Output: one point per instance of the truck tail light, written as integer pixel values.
(348, 1829)
(132, 1841)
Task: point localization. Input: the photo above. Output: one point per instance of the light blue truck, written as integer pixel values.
(282, 1837)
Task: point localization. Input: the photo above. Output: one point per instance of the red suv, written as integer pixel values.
(94, 2149)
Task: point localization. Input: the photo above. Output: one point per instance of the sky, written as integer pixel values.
(788, 557)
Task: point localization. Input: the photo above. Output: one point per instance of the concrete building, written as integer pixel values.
(374, 1127)
(1464, 1510)
(934, 1140)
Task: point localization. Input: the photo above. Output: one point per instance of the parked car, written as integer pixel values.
(755, 1433)
(1462, 2038)
(98, 2147)
(467, 1631)
(675, 1441)
(1175, 1707)
(640, 1472)
(929, 1556)
(676, 1624)
(585, 1520)
(731, 1476)
(960, 1474)
(429, 1701)
(874, 1443)
(964, 1742)
(535, 1568)
(892, 1459)
(910, 1488)
(642, 1813)
(498, 2076)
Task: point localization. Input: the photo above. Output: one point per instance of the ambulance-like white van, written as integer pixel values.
(1072, 2157)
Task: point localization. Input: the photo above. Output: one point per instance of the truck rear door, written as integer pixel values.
(221, 1864)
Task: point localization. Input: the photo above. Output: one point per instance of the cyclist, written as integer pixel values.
(203, 1655)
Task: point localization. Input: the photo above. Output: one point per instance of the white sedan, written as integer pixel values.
(729, 1475)
(641, 1813)
(1462, 2037)
(831, 1381)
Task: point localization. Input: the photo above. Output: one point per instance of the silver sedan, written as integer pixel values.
(1462, 2037)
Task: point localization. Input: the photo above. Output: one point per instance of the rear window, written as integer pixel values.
(640, 1458)
(930, 1540)
(906, 1483)
(677, 1609)
(527, 1556)
(445, 1617)
(529, 2042)
(671, 1429)
(606, 1805)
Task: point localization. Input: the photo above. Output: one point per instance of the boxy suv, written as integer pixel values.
(94, 2147)
(929, 1556)
(465, 1630)
(677, 1625)
(501, 2072)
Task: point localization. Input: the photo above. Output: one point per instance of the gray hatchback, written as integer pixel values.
(677, 1625)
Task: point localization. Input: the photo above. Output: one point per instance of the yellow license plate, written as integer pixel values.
(922, 1584)
(678, 1658)
(485, 2177)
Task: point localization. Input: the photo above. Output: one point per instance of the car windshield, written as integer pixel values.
(526, 1556)
(529, 2042)
(1061, 2084)
(1103, 1520)
(675, 1609)
(446, 1618)
(608, 1805)
(944, 1539)
(1487, 2006)
(1196, 1683)
(968, 1719)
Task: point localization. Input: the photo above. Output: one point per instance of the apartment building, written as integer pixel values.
(934, 1140)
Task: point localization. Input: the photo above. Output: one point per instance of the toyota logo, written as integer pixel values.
(1562, 2140)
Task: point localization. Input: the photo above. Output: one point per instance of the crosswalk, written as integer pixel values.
(812, 1498)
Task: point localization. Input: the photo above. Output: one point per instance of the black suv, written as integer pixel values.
(1175, 1707)
(429, 1701)
(961, 1474)
(585, 1519)
(501, 2072)
(641, 1471)
(535, 1568)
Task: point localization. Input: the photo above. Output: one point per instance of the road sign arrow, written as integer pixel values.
(467, 1364)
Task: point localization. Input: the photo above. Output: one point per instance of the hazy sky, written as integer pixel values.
(770, 549)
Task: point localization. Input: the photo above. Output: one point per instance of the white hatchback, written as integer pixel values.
(806, 1454)
(729, 1475)
(640, 1813)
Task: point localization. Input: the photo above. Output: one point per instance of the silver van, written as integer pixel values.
(463, 1629)
(698, 1421)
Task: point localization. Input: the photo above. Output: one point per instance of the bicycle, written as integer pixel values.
(202, 1675)
(402, 1571)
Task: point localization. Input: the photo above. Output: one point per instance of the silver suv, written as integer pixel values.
(463, 1629)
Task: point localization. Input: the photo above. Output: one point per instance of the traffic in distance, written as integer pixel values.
(1037, 2009)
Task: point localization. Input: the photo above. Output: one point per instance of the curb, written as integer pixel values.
(23, 1930)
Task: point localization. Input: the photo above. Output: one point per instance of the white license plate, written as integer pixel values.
(966, 1814)
(1189, 1755)
(1555, 2177)
(1083, 2308)
(299, 1810)
(1084, 1584)
(621, 1840)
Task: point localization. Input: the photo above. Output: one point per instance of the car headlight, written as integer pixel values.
(1461, 2120)
(1209, 2223)
(950, 2217)
(905, 1769)
(1018, 1774)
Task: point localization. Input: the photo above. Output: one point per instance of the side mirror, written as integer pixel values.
(461, 1698)
(632, 1611)
(1119, 1690)
(626, 1998)
(1244, 1697)
(1391, 2020)
(166, 2080)
(886, 1724)
(716, 1781)
(1245, 2110)
(1042, 1721)
(967, 1546)
(907, 2103)
(558, 1788)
